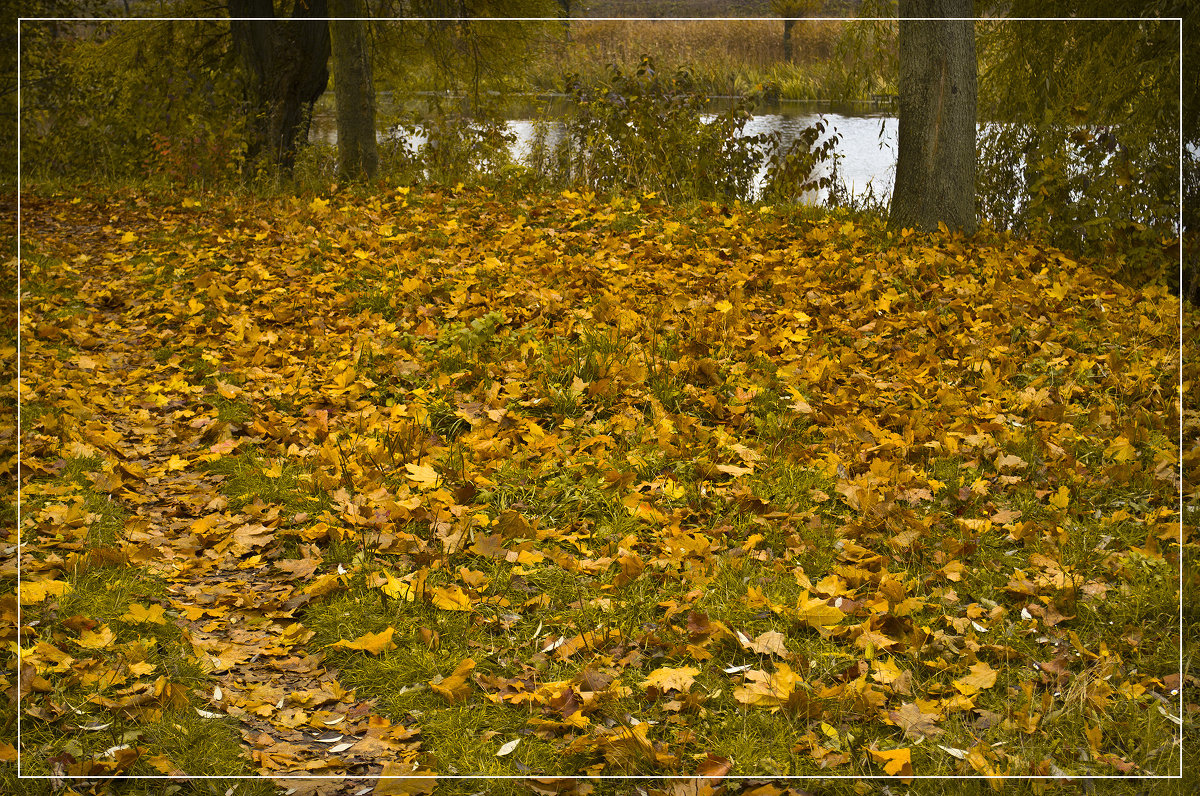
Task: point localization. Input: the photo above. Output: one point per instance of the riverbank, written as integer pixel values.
(729, 57)
(831, 60)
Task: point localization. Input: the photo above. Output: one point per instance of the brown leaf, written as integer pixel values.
(714, 766)
(404, 779)
(456, 687)
(915, 723)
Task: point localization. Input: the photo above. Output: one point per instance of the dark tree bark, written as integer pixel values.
(787, 40)
(935, 168)
(286, 67)
(358, 155)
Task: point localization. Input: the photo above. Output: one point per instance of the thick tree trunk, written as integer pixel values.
(935, 169)
(286, 66)
(358, 155)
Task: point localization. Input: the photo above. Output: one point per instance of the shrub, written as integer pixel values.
(807, 165)
(91, 108)
(650, 132)
(448, 145)
(1088, 188)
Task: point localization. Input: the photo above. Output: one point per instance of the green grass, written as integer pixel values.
(599, 537)
(103, 587)
(247, 477)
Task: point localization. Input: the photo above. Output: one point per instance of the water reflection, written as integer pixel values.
(866, 143)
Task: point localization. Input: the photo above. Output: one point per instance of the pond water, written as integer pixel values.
(867, 143)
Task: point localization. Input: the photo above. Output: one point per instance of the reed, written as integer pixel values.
(725, 57)
(735, 44)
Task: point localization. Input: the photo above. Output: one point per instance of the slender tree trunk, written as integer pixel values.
(565, 5)
(357, 152)
(788, 24)
(285, 62)
(935, 169)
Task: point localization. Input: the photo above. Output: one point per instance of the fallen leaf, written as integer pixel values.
(38, 590)
(668, 679)
(981, 677)
(404, 779)
(915, 723)
(451, 598)
(374, 643)
(422, 475)
(896, 762)
(455, 687)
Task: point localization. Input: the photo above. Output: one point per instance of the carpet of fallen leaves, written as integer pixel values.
(981, 440)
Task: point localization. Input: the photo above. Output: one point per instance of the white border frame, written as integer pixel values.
(1178, 720)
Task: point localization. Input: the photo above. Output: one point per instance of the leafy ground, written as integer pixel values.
(460, 485)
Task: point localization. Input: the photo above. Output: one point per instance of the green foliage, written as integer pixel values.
(463, 147)
(799, 169)
(652, 132)
(831, 60)
(1190, 288)
(479, 53)
(91, 108)
(865, 60)
(1083, 150)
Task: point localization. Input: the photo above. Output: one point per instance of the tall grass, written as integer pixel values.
(726, 57)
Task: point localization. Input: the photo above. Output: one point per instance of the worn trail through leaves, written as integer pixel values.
(629, 476)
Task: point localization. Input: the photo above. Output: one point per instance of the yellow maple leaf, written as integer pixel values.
(396, 588)
(953, 570)
(591, 640)
(767, 690)
(982, 676)
(896, 762)
(324, 584)
(374, 643)
(455, 687)
(769, 642)
(1010, 462)
(816, 612)
(97, 639)
(227, 390)
(344, 379)
(143, 613)
(452, 598)
(885, 671)
(1061, 498)
(38, 590)
(423, 475)
(1121, 450)
(404, 779)
(668, 679)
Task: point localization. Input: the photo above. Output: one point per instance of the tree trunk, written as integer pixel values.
(787, 40)
(935, 168)
(358, 155)
(286, 67)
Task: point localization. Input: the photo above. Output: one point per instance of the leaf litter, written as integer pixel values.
(624, 478)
